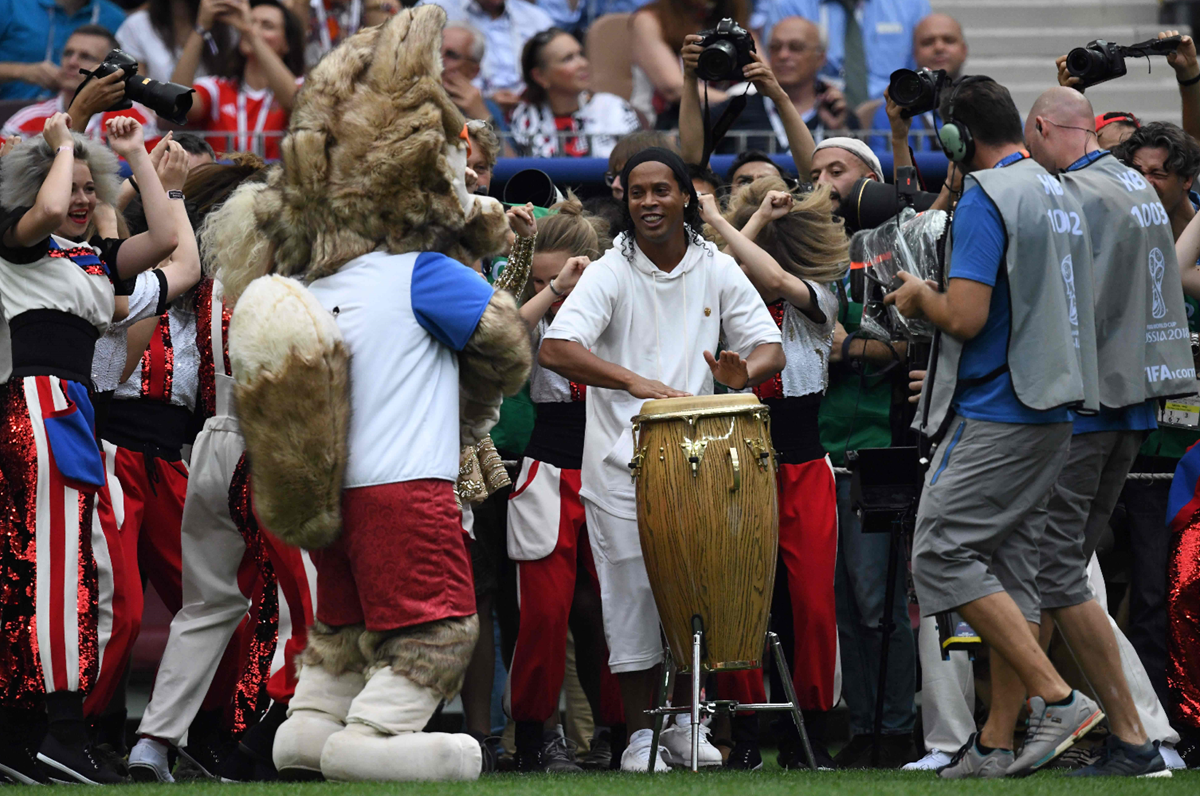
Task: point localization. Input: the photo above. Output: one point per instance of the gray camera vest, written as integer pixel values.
(1141, 323)
(1052, 338)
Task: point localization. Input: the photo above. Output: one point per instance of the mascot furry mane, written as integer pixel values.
(372, 161)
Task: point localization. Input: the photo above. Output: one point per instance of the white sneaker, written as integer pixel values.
(676, 742)
(1171, 757)
(932, 761)
(148, 762)
(636, 756)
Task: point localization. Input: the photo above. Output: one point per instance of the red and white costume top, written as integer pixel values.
(152, 409)
(30, 120)
(794, 394)
(147, 300)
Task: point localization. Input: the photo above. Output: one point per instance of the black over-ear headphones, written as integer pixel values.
(954, 136)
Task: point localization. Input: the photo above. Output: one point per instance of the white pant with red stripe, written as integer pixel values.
(218, 579)
(53, 528)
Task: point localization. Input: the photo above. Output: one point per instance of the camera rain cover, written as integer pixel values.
(909, 241)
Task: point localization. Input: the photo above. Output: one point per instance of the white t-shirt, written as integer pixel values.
(403, 316)
(657, 324)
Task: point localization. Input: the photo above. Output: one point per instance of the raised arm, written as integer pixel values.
(182, 270)
(691, 118)
(800, 140)
(280, 79)
(763, 270)
(1187, 71)
(535, 309)
(193, 50)
(151, 247)
(53, 202)
(656, 59)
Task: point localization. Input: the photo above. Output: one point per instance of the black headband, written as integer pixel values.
(657, 154)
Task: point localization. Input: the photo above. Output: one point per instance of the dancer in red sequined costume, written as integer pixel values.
(791, 249)
(57, 297)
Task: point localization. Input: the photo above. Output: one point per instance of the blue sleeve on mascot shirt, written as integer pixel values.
(448, 298)
(978, 255)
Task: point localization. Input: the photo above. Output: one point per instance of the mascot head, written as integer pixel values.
(373, 159)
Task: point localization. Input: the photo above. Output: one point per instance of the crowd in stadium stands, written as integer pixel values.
(610, 79)
(552, 81)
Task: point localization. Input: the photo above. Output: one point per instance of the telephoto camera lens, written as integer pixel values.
(169, 100)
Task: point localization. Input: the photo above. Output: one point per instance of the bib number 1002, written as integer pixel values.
(1150, 214)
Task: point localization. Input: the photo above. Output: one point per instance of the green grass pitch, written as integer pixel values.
(768, 782)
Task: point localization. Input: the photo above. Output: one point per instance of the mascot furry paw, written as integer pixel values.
(365, 353)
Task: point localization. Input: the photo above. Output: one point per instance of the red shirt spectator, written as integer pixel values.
(241, 112)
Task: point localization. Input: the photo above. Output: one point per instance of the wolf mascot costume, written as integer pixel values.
(364, 358)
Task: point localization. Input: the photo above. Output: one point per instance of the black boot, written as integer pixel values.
(618, 740)
(529, 747)
(21, 733)
(745, 754)
(251, 760)
(66, 752)
(208, 744)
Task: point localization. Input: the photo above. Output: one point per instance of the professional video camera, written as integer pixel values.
(1099, 61)
(726, 49)
(870, 203)
(908, 241)
(169, 100)
(917, 92)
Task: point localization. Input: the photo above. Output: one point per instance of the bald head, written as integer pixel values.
(938, 43)
(795, 51)
(1063, 105)
(1060, 128)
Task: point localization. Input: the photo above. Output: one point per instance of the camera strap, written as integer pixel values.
(245, 141)
(715, 133)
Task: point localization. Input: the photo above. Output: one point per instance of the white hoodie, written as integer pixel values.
(657, 324)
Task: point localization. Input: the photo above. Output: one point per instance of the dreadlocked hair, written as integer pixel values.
(809, 242)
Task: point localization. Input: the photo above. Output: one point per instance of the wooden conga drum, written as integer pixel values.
(708, 518)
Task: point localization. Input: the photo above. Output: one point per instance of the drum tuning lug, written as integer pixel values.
(761, 451)
(635, 466)
(695, 462)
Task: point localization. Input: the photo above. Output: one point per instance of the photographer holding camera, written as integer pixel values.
(745, 63)
(1015, 351)
(85, 50)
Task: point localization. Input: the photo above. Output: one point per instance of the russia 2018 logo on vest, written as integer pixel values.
(1158, 268)
(1068, 275)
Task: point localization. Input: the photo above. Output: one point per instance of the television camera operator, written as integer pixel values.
(1015, 351)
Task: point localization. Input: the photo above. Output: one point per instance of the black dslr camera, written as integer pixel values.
(1099, 61)
(169, 100)
(917, 92)
(727, 48)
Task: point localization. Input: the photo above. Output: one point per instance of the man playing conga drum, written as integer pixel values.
(643, 323)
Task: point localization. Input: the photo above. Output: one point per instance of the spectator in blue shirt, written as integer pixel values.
(938, 43)
(887, 33)
(32, 35)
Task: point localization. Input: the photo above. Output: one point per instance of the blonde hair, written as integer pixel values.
(484, 136)
(23, 170)
(808, 242)
(572, 230)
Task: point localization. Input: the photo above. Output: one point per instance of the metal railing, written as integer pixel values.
(738, 140)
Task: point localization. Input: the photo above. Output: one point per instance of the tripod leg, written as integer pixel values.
(886, 628)
(696, 639)
(785, 676)
(659, 701)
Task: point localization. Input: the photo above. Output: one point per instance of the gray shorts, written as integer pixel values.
(982, 510)
(1080, 504)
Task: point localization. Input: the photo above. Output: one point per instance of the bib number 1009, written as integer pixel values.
(1150, 214)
